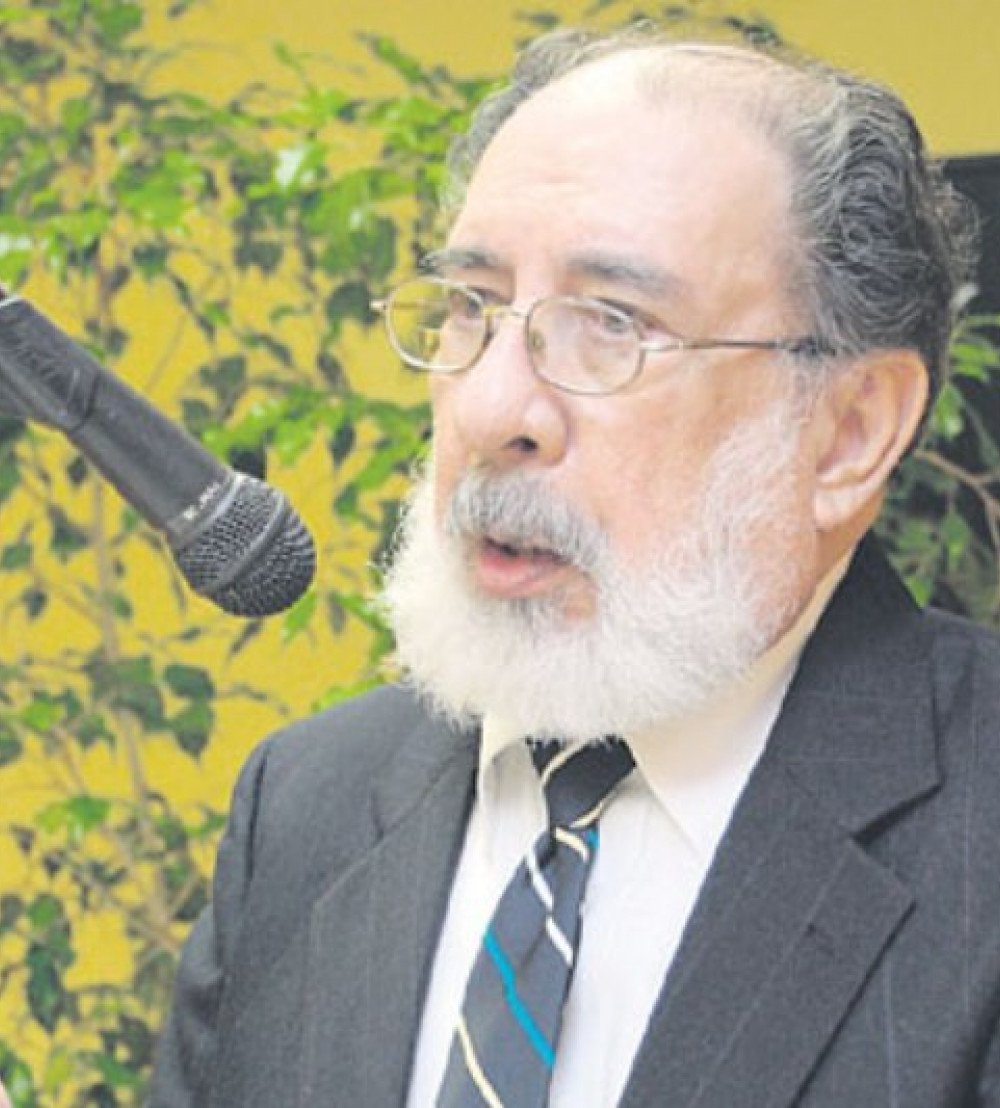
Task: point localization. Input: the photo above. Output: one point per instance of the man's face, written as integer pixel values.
(586, 564)
(678, 213)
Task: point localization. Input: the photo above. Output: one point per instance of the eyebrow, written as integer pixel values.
(452, 259)
(646, 278)
(643, 277)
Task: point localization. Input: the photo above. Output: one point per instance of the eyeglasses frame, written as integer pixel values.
(808, 346)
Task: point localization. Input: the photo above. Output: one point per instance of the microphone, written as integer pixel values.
(236, 540)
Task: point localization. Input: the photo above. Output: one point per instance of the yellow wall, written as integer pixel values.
(940, 54)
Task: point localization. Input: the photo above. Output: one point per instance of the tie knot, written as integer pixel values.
(578, 780)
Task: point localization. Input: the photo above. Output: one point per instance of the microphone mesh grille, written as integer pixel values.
(255, 557)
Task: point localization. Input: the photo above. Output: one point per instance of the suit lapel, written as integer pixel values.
(373, 933)
(795, 911)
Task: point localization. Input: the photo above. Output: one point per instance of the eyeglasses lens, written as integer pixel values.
(437, 326)
(583, 346)
(580, 345)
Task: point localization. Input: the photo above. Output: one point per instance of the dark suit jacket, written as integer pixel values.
(844, 951)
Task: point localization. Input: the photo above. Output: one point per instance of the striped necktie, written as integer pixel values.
(504, 1048)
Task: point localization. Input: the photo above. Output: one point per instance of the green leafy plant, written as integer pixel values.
(942, 520)
(253, 245)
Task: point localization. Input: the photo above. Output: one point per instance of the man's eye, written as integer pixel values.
(489, 297)
(461, 306)
(615, 319)
(468, 305)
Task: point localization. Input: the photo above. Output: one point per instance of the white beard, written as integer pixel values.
(659, 643)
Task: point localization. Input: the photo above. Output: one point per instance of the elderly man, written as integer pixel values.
(688, 318)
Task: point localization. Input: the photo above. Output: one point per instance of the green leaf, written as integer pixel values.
(117, 1075)
(35, 601)
(116, 21)
(18, 1079)
(109, 677)
(129, 685)
(337, 694)
(956, 536)
(920, 588)
(75, 816)
(75, 113)
(248, 632)
(342, 443)
(77, 470)
(298, 618)
(80, 229)
(144, 701)
(258, 254)
(42, 714)
(190, 682)
(25, 61)
(118, 604)
(45, 913)
(48, 999)
(297, 165)
(16, 256)
(947, 418)
(321, 106)
(198, 417)
(11, 15)
(16, 555)
(332, 370)
(350, 300)
(67, 538)
(345, 503)
(363, 609)
(91, 728)
(11, 748)
(192, 727)
(407, 66)
(150, 259)
(384, 463)
(293, 437)
(11, 911)
(226, 377)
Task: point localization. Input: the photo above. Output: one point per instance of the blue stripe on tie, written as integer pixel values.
(592, 837)
(521, 1014)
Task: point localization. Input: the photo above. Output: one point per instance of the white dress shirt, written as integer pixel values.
(658, 837)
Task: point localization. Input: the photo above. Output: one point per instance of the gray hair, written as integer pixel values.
(884, 244)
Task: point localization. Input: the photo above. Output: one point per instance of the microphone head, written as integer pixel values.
(252, 556)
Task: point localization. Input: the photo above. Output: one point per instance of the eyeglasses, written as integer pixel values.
(578, 344)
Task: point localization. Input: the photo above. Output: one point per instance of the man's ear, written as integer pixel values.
(864, 421)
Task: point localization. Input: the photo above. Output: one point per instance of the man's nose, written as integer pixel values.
(503, 412)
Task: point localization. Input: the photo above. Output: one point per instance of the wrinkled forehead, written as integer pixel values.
(768, 96)
(613, 144)
(641, 152)
(610, 101)
(763, 93)
(708, 82)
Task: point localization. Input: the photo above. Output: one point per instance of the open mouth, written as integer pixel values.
(510, 569)
(518, 550)
(515, 549)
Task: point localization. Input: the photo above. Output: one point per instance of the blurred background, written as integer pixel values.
(206, 195)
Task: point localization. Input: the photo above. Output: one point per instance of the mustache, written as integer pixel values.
(522, 512)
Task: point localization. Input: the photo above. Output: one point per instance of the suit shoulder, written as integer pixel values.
(363, 731)
(315, 779)
(964, 646)
(947, 623)
(966, 676)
